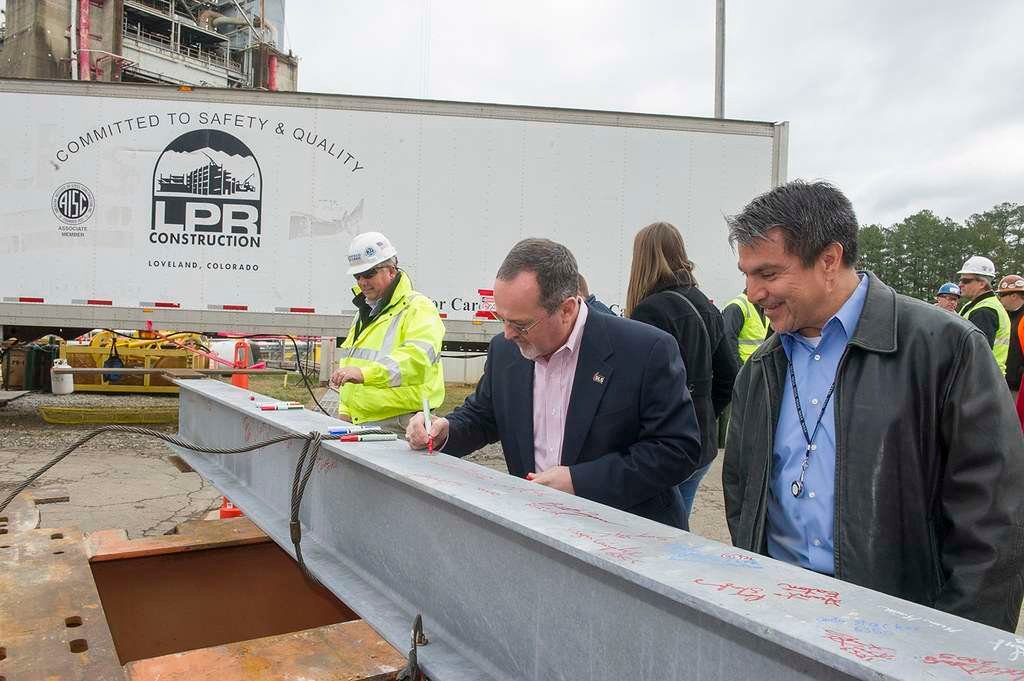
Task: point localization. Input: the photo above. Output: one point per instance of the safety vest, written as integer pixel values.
(399, 352)
(1020, 333)
(1001, 348)
(754, 329)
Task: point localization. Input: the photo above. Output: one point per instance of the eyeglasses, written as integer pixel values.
(968, 280)
(522, 330)
(368, 274)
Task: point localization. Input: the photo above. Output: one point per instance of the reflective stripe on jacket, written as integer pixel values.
(754, 329)
(399, 352)
(1001, 347)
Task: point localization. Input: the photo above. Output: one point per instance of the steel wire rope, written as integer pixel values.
(308, 456)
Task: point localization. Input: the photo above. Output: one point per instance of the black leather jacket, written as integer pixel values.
(929, 460)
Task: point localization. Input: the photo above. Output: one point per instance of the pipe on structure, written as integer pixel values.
(73, 32)
(84, 69)
(206, 16)
(272, 73)
(518, 581)
(229, 21)
(720, 59)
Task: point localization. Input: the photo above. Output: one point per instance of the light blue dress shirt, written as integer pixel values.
(800, 528)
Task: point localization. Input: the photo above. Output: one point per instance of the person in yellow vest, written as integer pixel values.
(745, 326)
(391, 359)
(745, 329)
(984, 309)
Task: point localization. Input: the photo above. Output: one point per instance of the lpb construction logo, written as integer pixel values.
(207, 190)
(73, 203)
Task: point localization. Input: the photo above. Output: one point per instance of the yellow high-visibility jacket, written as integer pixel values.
(1001, 347)
(754, 330)
(399, 352)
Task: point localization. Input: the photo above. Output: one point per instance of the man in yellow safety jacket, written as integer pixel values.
(745, 330)
(984, 309)
(391, 358)
(745, 326)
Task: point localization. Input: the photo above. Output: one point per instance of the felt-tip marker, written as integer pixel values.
(281, 407)
(369, 437)
(352, 430)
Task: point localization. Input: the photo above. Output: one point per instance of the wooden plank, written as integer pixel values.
(134, 371)
(350, 651)
(50, 495)
(198, 535)
(11, 395)
(183, 373)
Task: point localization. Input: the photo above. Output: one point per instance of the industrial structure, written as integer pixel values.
(238, 43)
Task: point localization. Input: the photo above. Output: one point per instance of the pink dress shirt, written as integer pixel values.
(552, 386)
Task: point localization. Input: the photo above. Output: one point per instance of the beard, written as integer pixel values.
(528, 351)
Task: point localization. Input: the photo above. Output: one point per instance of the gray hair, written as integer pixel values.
(811, 215)
(554, 265)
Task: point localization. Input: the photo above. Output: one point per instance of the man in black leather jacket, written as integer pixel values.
(928, 472)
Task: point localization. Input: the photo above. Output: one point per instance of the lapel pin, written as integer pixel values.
(598, 378)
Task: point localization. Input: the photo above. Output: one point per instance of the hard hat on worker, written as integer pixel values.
(1011, 283)
(369, 249)
(978, 264)
(949, 289)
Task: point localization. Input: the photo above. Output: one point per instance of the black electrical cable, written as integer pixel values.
(310, 452)
(299, 362)
(305, 379)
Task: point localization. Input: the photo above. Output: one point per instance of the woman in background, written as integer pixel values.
(663, 293)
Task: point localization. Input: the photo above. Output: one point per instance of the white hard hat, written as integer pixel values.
(977, 264)
(368, 249)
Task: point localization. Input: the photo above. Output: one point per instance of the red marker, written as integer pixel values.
(531, 476)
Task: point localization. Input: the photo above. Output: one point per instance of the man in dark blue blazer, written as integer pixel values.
(590, 404)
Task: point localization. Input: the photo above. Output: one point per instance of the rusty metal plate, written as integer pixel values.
(350, 651)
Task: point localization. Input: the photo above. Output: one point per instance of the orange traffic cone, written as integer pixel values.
(229, 510)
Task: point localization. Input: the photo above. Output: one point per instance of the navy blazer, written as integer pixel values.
(631, 432)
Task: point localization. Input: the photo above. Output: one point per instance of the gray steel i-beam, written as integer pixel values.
(517, 581)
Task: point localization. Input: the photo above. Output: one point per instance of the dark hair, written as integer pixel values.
(555, 267)
(811, 215)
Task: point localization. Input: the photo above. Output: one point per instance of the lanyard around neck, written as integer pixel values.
(797, 487)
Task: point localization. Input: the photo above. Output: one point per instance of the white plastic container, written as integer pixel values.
(62, 384)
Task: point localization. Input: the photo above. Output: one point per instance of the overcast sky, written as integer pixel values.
(903, 104)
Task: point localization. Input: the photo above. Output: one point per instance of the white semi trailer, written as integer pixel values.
(127, 206)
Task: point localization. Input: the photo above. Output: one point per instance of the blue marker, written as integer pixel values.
(351, 430)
